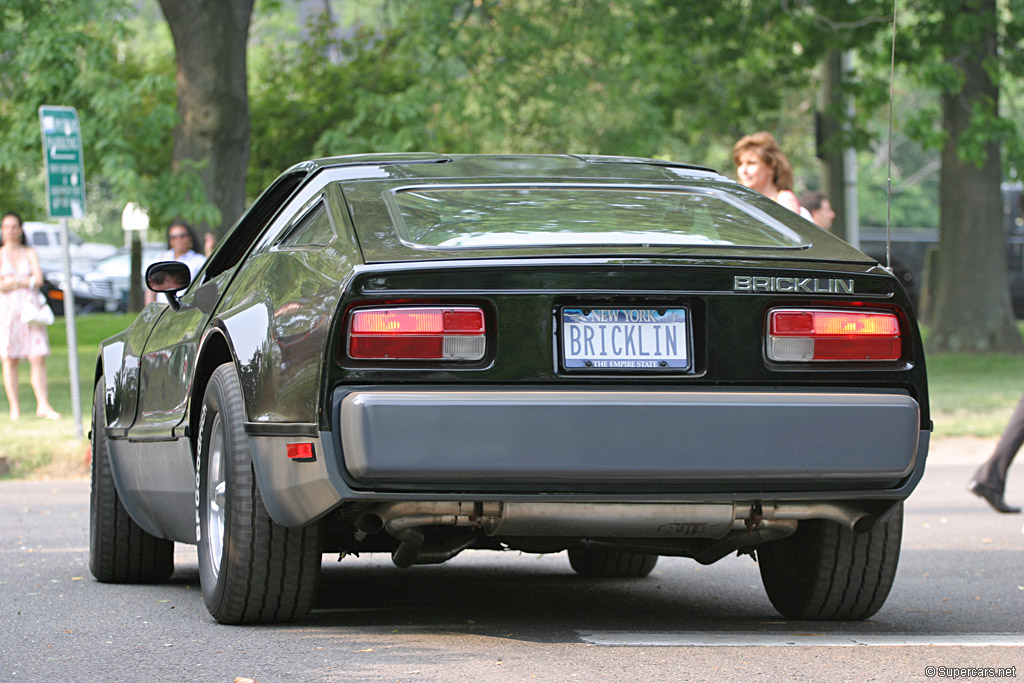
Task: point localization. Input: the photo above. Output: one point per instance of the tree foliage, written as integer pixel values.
(79, 53)
(460, 76)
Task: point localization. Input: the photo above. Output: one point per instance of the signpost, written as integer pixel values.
(65, 198)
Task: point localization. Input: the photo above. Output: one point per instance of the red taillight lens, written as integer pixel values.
(417, 333)
(802, 335)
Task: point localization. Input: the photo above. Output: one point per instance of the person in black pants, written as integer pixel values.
(989, 481)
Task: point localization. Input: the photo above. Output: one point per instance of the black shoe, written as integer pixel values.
(991, 496)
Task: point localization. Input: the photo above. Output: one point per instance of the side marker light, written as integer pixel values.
(301, 452)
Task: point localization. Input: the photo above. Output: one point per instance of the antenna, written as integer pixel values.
(888, 179)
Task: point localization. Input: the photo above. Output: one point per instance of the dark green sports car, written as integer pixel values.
(419, 354)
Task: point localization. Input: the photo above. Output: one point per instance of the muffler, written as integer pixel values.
(614, 520)
(653, 521)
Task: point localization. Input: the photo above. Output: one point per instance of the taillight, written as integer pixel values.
(801, 335)
(417, 333)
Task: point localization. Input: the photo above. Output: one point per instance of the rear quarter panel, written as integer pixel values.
(278, 322)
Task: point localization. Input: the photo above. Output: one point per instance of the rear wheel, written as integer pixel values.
(826, 571)
(120, 551)
(250, 568)
(597, 563)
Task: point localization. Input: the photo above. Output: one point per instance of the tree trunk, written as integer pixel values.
(830, 153)
(972, 310)
(213, 103)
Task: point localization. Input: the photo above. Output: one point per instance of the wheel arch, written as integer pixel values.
(98, 373)
(215, 351)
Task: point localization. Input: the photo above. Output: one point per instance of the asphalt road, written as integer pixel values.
(958, 601)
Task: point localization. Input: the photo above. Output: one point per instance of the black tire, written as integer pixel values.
(596, 563)
(825, 571)
(251, 569)
(120, 551)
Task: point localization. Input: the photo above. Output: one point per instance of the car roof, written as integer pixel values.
(429, 165)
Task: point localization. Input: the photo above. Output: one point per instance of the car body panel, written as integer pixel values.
(279, 341)
(156, 482)
(295, 495)
(120, 362)
(165, 373)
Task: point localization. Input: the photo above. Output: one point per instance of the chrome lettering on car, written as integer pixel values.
(810, 285)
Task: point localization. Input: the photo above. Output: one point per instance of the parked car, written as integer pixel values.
(111, 277)
(45, 238)
(419, 354)
(102, 285)
(87, 300)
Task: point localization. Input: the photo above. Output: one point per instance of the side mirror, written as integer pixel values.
(168, 277)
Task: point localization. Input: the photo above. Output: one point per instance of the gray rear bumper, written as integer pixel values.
(599, 446)
(459, 437)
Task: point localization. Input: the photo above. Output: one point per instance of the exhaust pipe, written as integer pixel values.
(857, 521)
(408, 531)
(404, 521)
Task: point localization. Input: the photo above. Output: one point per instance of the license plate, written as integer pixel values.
(625, 338)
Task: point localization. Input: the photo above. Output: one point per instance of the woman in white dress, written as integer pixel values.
(20, 278)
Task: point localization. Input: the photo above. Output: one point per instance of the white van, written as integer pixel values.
(45, 239)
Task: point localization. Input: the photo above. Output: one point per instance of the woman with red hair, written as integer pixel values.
(761, 166)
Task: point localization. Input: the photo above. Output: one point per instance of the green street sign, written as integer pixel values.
(62, 152)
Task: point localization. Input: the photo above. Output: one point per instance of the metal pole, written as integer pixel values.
(69, 322)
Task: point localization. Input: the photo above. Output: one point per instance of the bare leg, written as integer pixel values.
(11, 386)
(43, 407)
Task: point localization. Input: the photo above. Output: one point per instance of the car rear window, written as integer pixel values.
(494, 216)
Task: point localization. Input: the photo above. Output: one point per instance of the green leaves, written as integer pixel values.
(80, 53)
(645, 77)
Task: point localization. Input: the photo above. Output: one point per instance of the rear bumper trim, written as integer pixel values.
(429, 436)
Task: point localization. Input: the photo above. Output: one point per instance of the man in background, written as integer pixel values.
(821, 209)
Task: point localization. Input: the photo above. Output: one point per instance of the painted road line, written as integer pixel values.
(796, 639)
